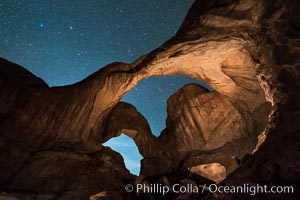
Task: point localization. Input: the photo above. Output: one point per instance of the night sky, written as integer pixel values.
(64, 41)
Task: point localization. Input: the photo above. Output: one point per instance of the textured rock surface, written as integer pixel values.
(247, 51)
(207, 116)
(212, 171)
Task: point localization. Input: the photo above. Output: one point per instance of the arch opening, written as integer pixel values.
(125, 145)
(150, 97)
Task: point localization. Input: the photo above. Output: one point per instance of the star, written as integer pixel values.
(160, 90)
(41, 25)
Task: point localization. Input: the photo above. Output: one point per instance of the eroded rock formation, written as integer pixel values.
(247, 51)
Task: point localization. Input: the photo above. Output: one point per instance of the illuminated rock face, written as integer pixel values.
(212, 171)
(247, 51)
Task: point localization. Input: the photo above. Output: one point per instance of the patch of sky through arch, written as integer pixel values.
(129, 151)
(150, 97)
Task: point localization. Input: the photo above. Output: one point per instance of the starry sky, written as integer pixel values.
(64, 41)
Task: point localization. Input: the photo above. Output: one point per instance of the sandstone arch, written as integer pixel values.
(246, 50)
